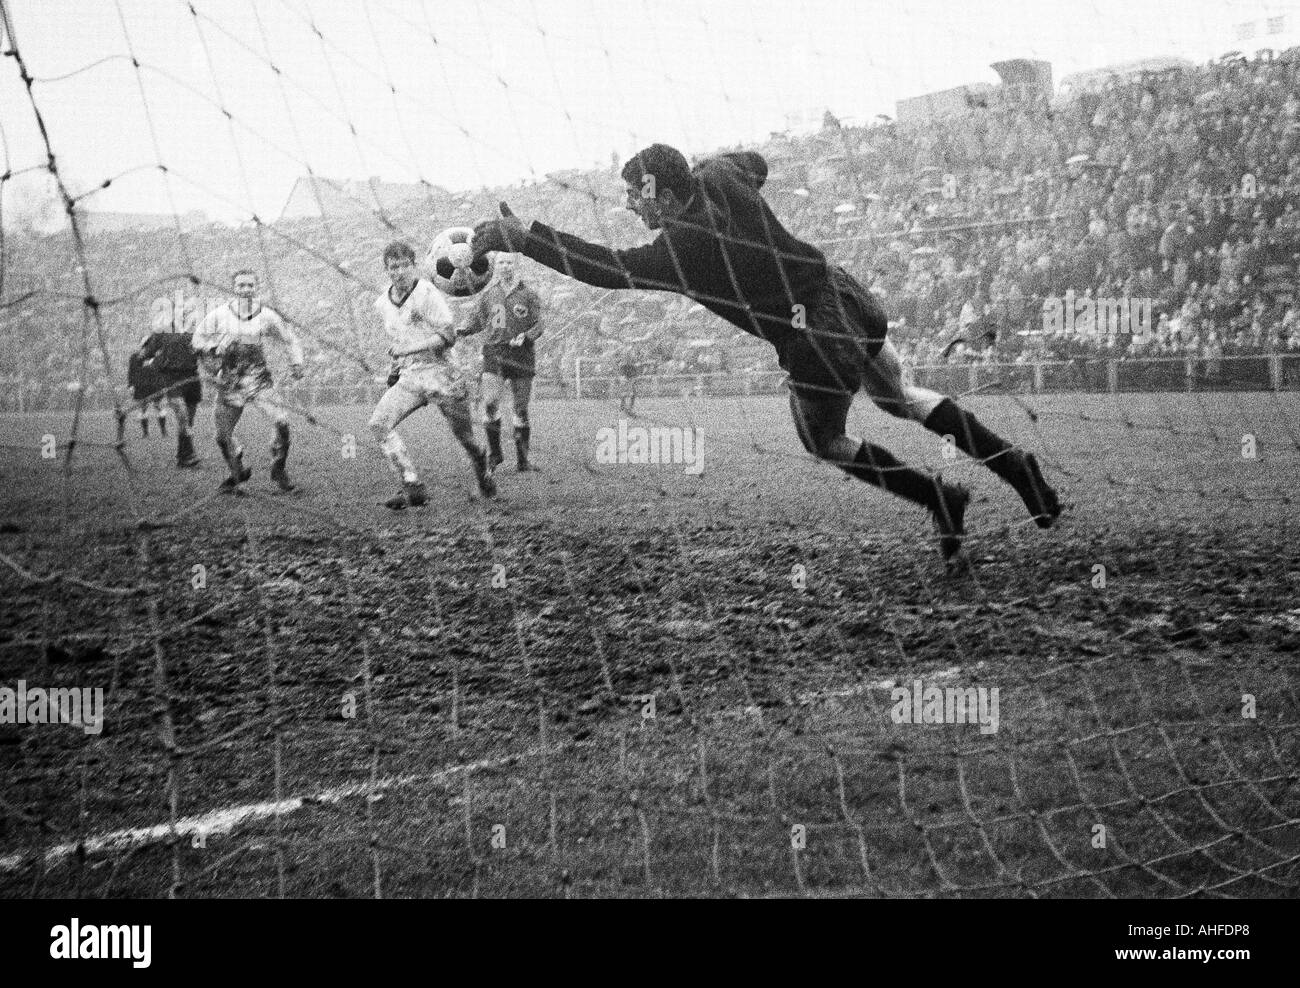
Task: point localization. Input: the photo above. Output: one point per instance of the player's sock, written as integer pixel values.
(398, 458)
(185, 451)
(493, 430)
(969, 434)
(162, 424)
(1016, 467)
(280, 457)
(522, 434)
(879, 467)
(487, 484)
(234, 456)
(144, 426)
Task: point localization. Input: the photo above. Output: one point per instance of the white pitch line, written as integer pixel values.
(224, 820)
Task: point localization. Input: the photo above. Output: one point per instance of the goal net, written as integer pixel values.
(684, 656)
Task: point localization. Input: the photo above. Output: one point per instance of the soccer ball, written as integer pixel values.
(450, 263)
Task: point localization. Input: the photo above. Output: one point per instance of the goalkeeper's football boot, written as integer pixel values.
(495, 456)
(1039, 496)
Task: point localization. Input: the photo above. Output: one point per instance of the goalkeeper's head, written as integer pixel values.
(659, 184)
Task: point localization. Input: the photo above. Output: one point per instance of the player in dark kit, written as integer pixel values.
(176, 369)
(143, 382)
(722, 245)
(510, 311)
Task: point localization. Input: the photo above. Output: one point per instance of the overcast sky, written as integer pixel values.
(484, 92)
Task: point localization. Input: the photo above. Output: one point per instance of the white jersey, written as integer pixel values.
(421, 324)
(238, 343)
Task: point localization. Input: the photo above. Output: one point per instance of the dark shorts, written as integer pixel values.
(846, 327)
(190, 392)
(510, 361)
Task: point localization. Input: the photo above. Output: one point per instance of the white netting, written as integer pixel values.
(621, 678)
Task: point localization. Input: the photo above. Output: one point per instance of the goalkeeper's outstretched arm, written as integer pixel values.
(652, 266)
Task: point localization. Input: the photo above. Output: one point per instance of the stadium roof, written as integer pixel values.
(1093, 78)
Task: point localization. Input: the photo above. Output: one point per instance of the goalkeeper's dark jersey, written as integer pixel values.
(728, 251)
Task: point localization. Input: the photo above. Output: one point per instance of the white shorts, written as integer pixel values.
(416, 388)
(434, 383)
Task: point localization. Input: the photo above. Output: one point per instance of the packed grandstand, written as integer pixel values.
(1177, 187)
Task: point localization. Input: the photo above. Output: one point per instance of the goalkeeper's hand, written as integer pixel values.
(519, 340)
(394, 375)
(505, 234)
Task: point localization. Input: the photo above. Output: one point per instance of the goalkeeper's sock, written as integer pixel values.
(1016, 467)
(144, 426)
(879, 467)
(972, 437)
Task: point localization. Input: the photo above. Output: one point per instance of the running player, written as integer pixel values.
(144, 385)
(510, 311)
(169, 355)
(230, 345)
(424, 371)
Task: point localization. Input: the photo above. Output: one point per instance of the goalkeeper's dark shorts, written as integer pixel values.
(510, 362)
(846, 327)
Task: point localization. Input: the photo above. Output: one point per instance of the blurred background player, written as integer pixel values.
(418, 323)
(168, 354)
(510, 312)
(230, 344)
(628, 356)
(722, 245)
(143, 382)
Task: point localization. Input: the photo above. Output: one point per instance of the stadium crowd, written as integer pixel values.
(1177, 187)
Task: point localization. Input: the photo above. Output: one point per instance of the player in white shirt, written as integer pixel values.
(230, 346)
(424, 371)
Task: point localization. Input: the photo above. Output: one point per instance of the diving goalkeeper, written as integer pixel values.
(722, 246)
